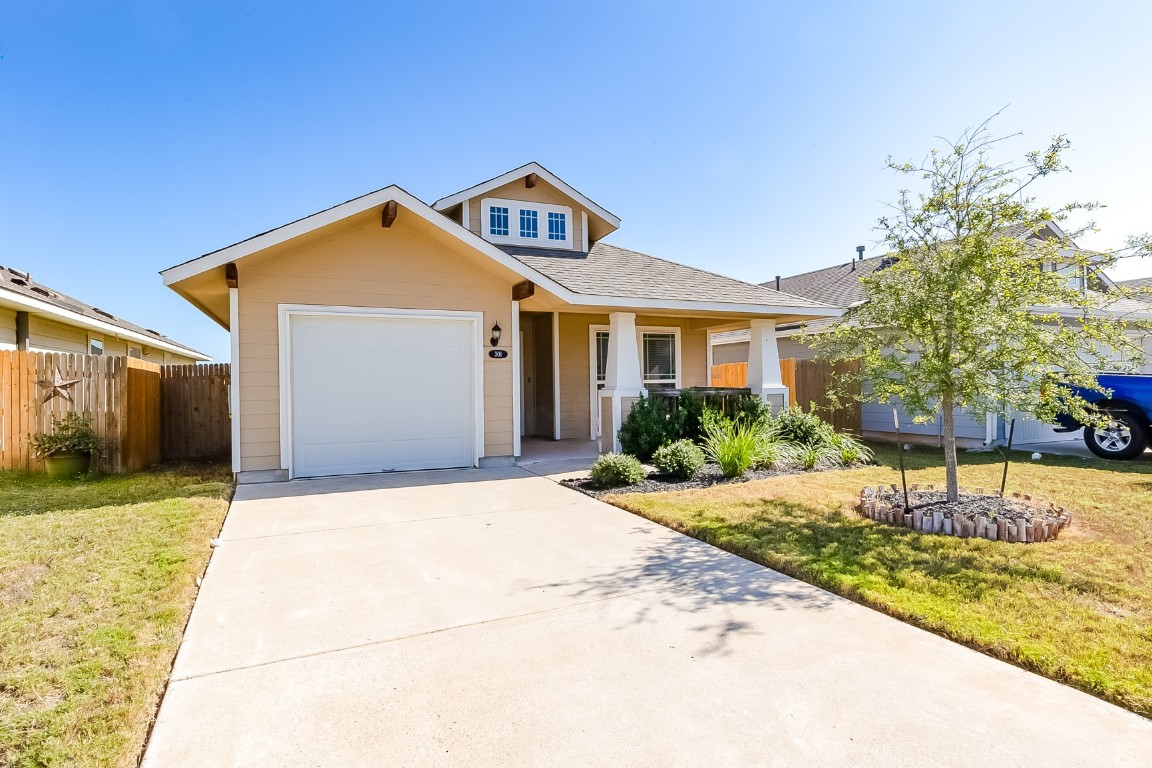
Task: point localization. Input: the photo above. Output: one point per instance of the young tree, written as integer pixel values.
(985, 302)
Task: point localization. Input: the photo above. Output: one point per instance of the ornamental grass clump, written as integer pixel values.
(850, 451)
(613, 470)
(734, 445)
(681, 459)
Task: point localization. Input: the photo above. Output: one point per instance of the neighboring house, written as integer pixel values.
(36, 318)
(387, 334)
(840, 286)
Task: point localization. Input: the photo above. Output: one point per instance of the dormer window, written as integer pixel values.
(529, 224)
(539, 224)
(557, 226)
(498, 221)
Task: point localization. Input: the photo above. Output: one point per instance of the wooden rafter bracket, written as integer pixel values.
(523, 290)
(530, 180)
(388, 216)
(231, 275)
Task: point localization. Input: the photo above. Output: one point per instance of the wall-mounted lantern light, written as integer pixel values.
(495, 340)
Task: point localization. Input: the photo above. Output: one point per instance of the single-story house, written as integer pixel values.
(386, 334)
(840, 286)
(36, 318)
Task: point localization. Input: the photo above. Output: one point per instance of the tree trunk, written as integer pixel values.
(948, 432)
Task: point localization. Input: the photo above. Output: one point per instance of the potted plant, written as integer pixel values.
(67, 450)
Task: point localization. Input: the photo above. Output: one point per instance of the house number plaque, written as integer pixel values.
(498, 354)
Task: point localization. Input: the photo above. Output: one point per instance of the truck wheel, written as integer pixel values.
(1123, 438)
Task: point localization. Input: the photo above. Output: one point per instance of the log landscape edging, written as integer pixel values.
(1044, 522)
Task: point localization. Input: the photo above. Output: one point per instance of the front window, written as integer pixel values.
(659, 353)
(135, 352)
(95, 345)
(659, 358)
(529, 224)
(557, 226)
(601, 356)
(498, 221)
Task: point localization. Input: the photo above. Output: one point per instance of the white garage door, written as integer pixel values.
(375, 394)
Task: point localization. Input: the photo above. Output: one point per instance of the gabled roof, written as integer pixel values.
(445, 203)
(840, 285)
(607, 268)
(606, 277)
(18, 288)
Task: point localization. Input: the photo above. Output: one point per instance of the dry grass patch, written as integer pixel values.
(96, 581)
(1078, 610)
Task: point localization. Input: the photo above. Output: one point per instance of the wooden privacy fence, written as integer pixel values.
(194, 417)
(808, 382)
(125, 402)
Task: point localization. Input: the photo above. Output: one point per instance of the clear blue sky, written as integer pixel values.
(745, 138)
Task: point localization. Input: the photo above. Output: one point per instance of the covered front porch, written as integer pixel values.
(577, 374)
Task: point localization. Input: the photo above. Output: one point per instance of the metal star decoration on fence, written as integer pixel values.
(58, 386)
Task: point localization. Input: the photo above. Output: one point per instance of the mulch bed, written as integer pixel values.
(656, 483)
(1016, 518)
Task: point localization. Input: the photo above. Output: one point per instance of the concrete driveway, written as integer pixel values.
(494, 618)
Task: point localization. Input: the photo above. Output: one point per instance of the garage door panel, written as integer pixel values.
(373, 394)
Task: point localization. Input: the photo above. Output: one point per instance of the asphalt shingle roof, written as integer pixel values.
(613, 271)
(840, 285)
(1140, 283)
(15, 281)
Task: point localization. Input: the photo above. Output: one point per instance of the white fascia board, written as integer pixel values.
(627, 302)
(108, 329)
(519, 173)
(280, 235)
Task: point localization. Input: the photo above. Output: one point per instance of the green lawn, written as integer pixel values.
(96, 581)
(1078, 610)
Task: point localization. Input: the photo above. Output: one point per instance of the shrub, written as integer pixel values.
(648, 426)
(615, 469)
(72, 433)
(734, 445)
(691, 415)
(681, 459)
(849, 450)
(751, 409)
(795, 425)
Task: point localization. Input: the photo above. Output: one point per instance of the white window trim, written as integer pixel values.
(513, 237)
(287, 311)
(99, 339)
(593, 395)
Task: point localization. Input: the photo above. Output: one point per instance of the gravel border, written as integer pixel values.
(707, 477)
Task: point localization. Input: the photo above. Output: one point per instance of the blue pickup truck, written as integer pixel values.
(1129, 405)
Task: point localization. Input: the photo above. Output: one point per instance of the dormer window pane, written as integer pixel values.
(529, 224)
(557, 226)
(498, 221)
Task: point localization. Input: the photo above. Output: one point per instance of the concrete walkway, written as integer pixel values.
(494, 618)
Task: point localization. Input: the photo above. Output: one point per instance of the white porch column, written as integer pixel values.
(623, 383)
(234, 385)
(764, 364)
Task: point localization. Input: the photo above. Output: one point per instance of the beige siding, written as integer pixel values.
(48, 336)
(793, 349)
(362, 266)
(736, 352)
(541, 193)
(575, 360)
(7, 328)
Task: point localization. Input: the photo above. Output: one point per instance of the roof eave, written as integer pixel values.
(105, 328)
